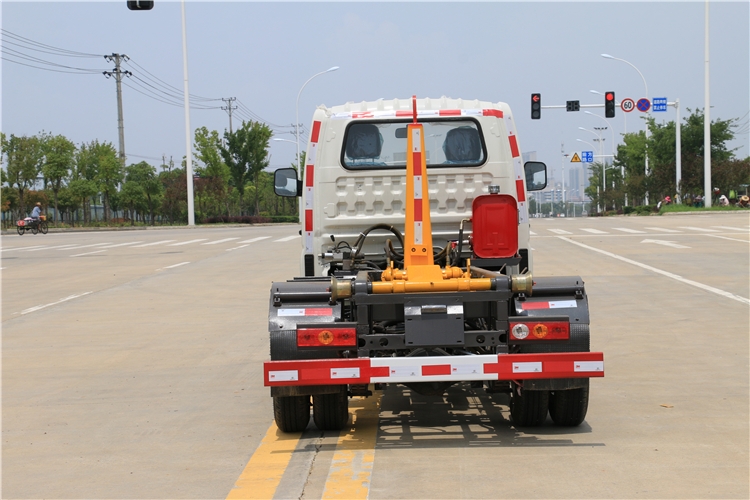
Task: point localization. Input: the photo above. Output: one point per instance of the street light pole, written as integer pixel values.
(607, 56)
(188, 140)
(296, 123)
(622, 167)
(597, 186)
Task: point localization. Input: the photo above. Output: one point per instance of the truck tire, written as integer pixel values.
(529, 408)
(331, 411)
(291, 413)
(568, 408)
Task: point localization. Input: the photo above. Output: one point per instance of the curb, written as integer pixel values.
(149, 228)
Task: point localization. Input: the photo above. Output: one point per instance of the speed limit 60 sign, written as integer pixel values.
(627, 105)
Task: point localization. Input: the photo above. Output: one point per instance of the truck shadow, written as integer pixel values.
(462, 417)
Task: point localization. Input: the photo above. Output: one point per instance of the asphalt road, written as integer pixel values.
(132, 368)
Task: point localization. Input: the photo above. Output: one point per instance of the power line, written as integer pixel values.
(62, 52)
(180, 92)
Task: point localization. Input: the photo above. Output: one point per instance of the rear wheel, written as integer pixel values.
(528, 408)
(34, 229)
(20, 230)
(291, 413)
(43, 227)
(568, 408)
(331, 411)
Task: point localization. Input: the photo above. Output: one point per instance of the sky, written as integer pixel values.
(261, 53)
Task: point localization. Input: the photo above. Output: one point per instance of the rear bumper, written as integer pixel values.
(343, 371)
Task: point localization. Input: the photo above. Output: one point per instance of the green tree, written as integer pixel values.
(132, 195)
(215, 170)
(246, 155)
(144, 175)
(109, 173)
(59, 154)
(24, 158)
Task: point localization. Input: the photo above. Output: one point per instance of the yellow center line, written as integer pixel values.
(351, 466)
(263, 472)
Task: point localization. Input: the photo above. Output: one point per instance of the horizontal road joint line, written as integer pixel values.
(88, 253)
(186, 242)
(662, 229)
(71, 297)
(253, 240)
(123, 244)
(288, 238)
(85, 246)
(220, 241)
(176, 265)
(351, 466)
(152, 244)
(707, 288)
(701, 229)
(725, 238)
(263, 471)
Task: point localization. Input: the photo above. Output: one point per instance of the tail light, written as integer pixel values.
(326, 337)
(540, 330)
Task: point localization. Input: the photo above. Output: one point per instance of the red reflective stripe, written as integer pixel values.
(528, 306)
(379, 371)
(315, 131)
(309, 175)
(404, 113)
(417, 158)
(417, 210)
(436, 370)
(520, 191)
(492, 112)
(513, 145)
(308, 220)
(318, 311)
(450, 112)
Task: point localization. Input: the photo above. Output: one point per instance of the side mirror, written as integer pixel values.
(285, 183)
(536, 175)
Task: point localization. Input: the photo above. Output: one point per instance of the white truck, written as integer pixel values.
(416, 269)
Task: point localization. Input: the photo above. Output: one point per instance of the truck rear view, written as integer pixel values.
(416, 269)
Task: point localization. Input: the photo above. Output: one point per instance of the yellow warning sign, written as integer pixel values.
(576, 158)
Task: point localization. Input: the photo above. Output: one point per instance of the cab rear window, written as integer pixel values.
(382, 145)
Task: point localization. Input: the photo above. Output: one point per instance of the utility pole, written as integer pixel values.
(228, 108)
(117, 73)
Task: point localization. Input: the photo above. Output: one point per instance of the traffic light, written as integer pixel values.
(140, 4)
(609, 104)
(572, 105)
(536, 106)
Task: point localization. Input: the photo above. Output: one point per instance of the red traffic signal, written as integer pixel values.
(609, 104)
(536, 106)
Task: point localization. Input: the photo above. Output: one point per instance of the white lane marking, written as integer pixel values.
(672, 244)
(219, 241)
(702, 229)
(187, 242)
(88, 253)
(627, 230)
(36, 308)
(664, 230)
(84, 246)
(559, 231)
(676, 277)
(532, 233)
(122, 244)
(726, 238)
(152, 244)
(288, 238)
(237, 248)
(732, 228)
(23, 248)
(593, 231)
(176, 265)
(52, 248)
(254, 239)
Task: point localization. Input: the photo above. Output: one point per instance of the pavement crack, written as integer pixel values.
(318, 445)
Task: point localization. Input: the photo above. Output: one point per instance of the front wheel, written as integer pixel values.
(43, 227)
(331, 411)
(34, 229)
(568, 408)
(20, 230)
(528, 408)
(291, 413)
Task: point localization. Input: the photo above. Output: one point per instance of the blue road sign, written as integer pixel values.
(643, 104)
(660, 104)
(587, 156)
